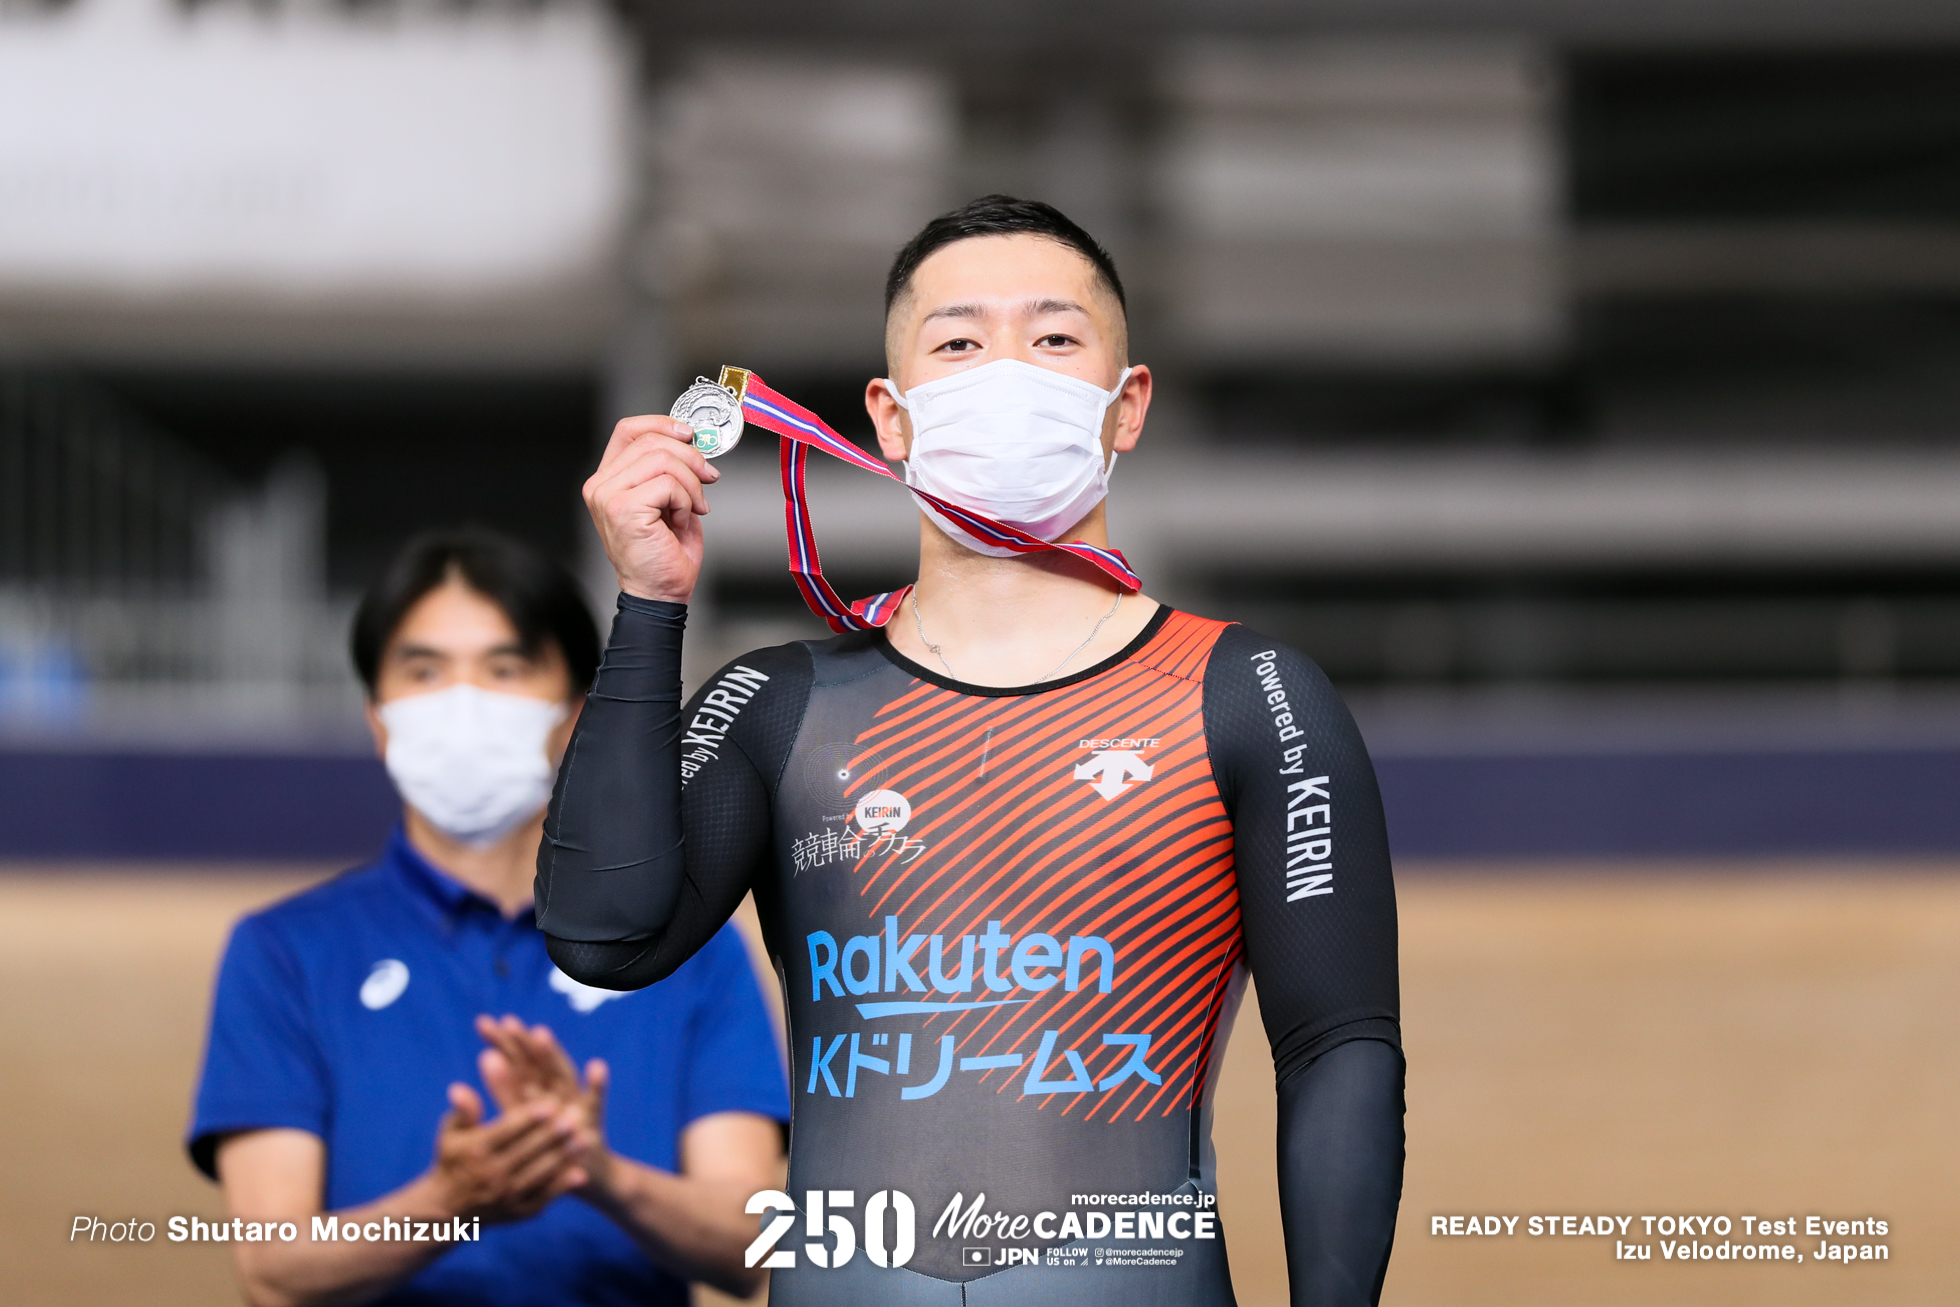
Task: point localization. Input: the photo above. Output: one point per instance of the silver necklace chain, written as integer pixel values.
(919, 625)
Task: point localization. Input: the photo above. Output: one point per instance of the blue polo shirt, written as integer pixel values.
(347, 1010)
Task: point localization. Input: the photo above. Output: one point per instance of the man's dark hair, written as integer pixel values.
(538, 596)
(1000, 215)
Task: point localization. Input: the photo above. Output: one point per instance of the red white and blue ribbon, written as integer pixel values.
(801, 430)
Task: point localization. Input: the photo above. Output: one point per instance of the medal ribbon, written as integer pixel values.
(801, 430)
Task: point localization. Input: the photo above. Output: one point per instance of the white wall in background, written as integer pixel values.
(146, 152)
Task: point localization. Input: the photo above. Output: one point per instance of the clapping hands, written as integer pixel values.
(525, 1068)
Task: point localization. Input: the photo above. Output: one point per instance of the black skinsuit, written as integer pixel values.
(1012, 926)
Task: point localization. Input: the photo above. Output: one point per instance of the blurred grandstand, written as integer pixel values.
(1573, 381)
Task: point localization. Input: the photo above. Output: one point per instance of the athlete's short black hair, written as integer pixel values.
(538, 596)
(1000, 215)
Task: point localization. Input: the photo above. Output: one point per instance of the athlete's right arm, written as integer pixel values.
(635, 874)
(610, 868)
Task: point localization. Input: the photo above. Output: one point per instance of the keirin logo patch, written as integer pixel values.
(882, 811)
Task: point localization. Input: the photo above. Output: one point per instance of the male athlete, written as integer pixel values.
(1014, 852)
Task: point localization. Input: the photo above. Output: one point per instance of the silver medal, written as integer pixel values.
(715, 414)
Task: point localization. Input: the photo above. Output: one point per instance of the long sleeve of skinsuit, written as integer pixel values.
(1200, 797)
(1317, 905)
(631, 881)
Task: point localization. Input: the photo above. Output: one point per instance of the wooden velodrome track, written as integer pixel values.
(1770, 1040)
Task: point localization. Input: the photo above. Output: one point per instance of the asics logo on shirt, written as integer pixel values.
(583, 998)
(384, 984)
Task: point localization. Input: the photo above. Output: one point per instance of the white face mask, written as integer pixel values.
(1018, 443)
(474, 762)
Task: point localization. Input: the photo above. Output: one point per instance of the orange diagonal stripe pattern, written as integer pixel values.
(1135, 850)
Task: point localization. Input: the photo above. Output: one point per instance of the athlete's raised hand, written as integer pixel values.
(646, 500)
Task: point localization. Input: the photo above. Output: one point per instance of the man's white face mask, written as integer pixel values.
(474, 762)
(1018, 443)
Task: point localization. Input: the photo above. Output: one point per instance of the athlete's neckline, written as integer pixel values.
(1142, 638)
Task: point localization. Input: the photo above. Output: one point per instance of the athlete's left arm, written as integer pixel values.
(1317, 903)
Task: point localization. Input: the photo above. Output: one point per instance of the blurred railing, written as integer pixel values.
(92, 497)
(130, 562)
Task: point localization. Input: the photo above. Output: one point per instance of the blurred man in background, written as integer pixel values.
(349, 1019)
